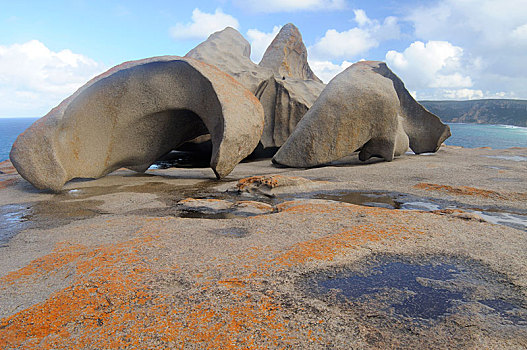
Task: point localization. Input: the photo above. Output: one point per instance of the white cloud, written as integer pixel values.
(347, 44)
(520, 32)
(463, 94)
(361, 18)
(327, 70)
(203, 24)
(487, 22)
(388, 30)
(451, 80)
(271, 6)
(436, 64)
(260, 41)
(34, 79)
(493, 35)
(355, 41)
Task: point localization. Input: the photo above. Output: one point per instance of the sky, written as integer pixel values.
(441, 49)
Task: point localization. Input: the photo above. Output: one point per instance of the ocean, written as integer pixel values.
(484, 135)
(465, 135)
(10, 128)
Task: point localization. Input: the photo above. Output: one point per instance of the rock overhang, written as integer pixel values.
(136, 112)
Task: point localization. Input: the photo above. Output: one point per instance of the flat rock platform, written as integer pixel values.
(427, 251)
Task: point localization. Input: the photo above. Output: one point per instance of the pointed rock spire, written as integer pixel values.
(287, 55)
(285, 101)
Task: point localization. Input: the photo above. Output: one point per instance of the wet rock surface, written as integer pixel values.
(13, 219)
(403, 298)
(351, 255)
(421, 289)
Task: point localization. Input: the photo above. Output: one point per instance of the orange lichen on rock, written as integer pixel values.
(248, 323)
(330, 246)
(107, 285)
(61, 256)
(460, 214)
(192, 200)
(255, 204)
(6, 183)
(132, 294)
(268, 181)
(306, 207)
(471, 191)
(112, 304)
(7, 174)
(232, 282)
(7, 167)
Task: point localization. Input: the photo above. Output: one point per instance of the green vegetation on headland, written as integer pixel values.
(491, 111)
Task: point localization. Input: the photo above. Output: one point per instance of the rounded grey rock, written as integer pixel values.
(365, 108)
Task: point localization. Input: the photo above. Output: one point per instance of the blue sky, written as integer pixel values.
(442, 49)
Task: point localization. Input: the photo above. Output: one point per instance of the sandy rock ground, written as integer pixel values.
(423, 252)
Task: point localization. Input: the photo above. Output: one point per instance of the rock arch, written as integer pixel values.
(132, 114)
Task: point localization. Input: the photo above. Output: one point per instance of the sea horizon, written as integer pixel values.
(467, 135)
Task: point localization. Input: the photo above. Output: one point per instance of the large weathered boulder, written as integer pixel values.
(229, 51)
(425, 130)
(134, 113)
(285, 95)
(287, 55)
(366, 108)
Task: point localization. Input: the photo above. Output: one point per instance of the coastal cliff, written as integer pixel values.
(491, 111)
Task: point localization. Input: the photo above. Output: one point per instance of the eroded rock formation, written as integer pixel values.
(285, 102)
(134, 113)
(287, 55)
(285, 84)
(229, 51)
(366, 108)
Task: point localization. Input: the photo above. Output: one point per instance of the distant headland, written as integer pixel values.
(488, 111)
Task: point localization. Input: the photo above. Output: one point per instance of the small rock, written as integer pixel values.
(209, 205)
(469, 216)
(270, 185)
(252, 208)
